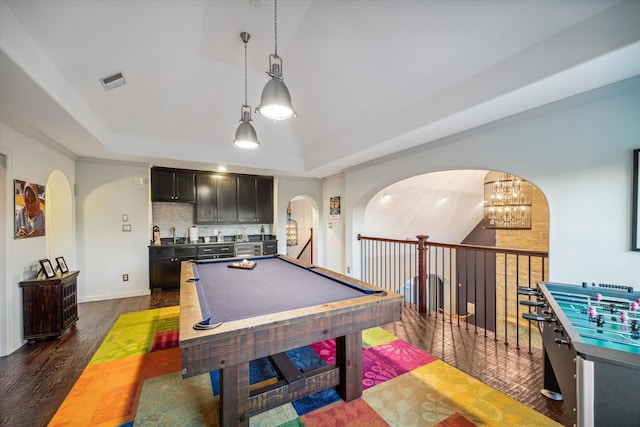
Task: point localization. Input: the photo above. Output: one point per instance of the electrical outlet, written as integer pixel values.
(125, 277)
(471, 308)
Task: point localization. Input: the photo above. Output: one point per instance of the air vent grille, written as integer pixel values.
(113, 81)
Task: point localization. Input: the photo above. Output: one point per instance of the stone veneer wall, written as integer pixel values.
(535, 239)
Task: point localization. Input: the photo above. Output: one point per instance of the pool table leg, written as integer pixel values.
(234, 381)
(349, 360)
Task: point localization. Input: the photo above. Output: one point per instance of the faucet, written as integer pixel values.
(173, 234)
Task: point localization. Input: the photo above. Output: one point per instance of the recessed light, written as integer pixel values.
(386, 196)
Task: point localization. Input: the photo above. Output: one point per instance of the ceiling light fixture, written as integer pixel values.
(507, 202)
(246, 136)
(275, 103)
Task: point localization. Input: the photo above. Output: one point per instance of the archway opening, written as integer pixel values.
(60, 223)
(449, 208)
(304, 212)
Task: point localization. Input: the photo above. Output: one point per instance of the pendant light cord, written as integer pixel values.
(275, 24)
(245, 73)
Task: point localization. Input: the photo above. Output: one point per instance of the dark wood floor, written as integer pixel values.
(36, 378)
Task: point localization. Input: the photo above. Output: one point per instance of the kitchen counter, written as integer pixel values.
(182, 241)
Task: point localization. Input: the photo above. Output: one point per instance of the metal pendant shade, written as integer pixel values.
(246, 136)
(275, 102)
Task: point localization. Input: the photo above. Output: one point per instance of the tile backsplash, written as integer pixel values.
(182, 216)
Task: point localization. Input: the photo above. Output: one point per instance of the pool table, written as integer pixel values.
(231, 315)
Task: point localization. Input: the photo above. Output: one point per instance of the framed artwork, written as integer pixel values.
(47, 268)
(635, 204)
(334, 207)
(62, 265)
(29, 202)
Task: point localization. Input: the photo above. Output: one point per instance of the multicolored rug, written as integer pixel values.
(135, 379)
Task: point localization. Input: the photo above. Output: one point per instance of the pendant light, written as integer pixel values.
(246, 136)
(275, 103)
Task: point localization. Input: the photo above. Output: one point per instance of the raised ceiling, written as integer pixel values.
(368, 78)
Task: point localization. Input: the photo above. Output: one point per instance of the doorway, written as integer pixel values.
(302, 216)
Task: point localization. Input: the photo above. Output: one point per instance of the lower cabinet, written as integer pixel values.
(270, 247)
(49, 306)
(164, 264)
(216, 251)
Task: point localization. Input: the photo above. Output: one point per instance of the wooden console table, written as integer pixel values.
(49, 306)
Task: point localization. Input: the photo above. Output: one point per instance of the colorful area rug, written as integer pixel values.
(135, 379)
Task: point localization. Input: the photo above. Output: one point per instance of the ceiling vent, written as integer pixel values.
(113, 81)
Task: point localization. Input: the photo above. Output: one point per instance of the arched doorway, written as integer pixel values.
(303, 211)
(60, 218)
(449, 207)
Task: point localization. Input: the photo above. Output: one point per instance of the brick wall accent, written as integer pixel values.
(537, 239)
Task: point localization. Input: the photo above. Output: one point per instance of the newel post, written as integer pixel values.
(422, 273)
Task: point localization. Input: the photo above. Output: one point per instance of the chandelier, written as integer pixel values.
(507, 202)
(292, 229)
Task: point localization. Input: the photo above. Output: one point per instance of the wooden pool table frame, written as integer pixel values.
(231, 347)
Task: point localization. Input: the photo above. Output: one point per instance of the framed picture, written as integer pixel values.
(334, 207)
(29, 202)
(47, 268)
(62, 265)
(635, 214)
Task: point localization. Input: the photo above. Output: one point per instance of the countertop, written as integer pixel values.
(182, 241)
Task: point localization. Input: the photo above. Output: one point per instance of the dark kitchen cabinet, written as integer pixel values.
(172, 185)
(49, 306)
(270, 247)
(255, 199)
(164, 264)
(216, 199)
(223, 250)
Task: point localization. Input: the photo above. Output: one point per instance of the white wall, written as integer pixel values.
(29, 157)
(577, 151)
(106, 191)
(335, 228)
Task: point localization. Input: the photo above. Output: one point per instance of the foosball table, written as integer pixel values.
(591, 347)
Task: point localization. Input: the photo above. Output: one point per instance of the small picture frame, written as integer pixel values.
(47, 268)
(62, 265)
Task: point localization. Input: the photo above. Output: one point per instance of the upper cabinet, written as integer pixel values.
(255, 199)
(216, 199)
(219, 198)
(171, 185)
